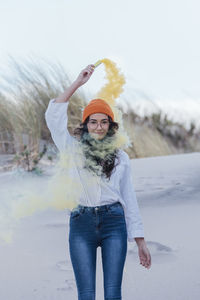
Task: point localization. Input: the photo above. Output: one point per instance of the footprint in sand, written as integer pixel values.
(157, 248)
(159, 253)
(64, 266)
(69, 281)
(69, 285)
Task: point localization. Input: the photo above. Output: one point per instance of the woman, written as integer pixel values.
(107, 214)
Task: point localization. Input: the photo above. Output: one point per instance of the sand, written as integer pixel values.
(36, 265)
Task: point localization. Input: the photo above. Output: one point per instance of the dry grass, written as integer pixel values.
(24, 97)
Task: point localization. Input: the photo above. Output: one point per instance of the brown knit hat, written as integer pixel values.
(97, 106)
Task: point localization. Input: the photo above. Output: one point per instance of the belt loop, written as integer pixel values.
(107, 207)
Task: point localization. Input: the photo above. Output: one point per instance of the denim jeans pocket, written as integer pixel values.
(116, 211)
(75, 214)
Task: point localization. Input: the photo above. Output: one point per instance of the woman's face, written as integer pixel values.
(98, 125)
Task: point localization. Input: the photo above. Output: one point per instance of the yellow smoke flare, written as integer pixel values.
(97, 63)
(110, 92)
(115, 81)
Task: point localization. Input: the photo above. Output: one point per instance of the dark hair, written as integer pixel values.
(108, 163)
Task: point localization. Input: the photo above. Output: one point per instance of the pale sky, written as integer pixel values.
(154, 42)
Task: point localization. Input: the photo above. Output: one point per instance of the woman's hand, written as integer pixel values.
(85, 74)
(81, 79)
(143, 252)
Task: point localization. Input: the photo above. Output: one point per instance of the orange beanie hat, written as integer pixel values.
(97, 106)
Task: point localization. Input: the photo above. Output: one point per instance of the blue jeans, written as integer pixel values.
(91, 227)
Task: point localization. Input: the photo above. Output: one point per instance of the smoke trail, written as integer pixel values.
(115, 81)
(110, 92)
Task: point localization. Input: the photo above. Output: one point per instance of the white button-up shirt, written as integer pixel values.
(97, 190)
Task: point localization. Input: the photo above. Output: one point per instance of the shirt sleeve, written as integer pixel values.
(132, 214)
(56, 119)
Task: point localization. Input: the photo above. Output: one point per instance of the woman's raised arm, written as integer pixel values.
(81, 79)
(56, 113)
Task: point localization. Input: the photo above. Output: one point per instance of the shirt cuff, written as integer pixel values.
(54, 99)
(137, 234)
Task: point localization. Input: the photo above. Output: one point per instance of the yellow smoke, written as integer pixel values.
(113, 88)
(114, 85)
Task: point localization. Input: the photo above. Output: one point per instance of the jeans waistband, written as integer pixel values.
(97, 208)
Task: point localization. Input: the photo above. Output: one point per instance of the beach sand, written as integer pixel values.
(36, 265)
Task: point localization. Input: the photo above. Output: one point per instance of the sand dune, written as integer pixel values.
(37, 264)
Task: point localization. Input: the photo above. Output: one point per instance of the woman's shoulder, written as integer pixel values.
(123, 156)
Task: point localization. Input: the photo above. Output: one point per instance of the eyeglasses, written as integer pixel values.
(94, 124)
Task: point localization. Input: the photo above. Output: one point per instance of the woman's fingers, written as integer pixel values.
(147, 263)
(145, 257)
(91, 66)
(85, 74)
(89, 69)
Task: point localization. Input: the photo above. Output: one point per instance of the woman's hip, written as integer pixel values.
(98, 221)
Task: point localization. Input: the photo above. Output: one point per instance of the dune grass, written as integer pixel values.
(23, 102)
(25, 94)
